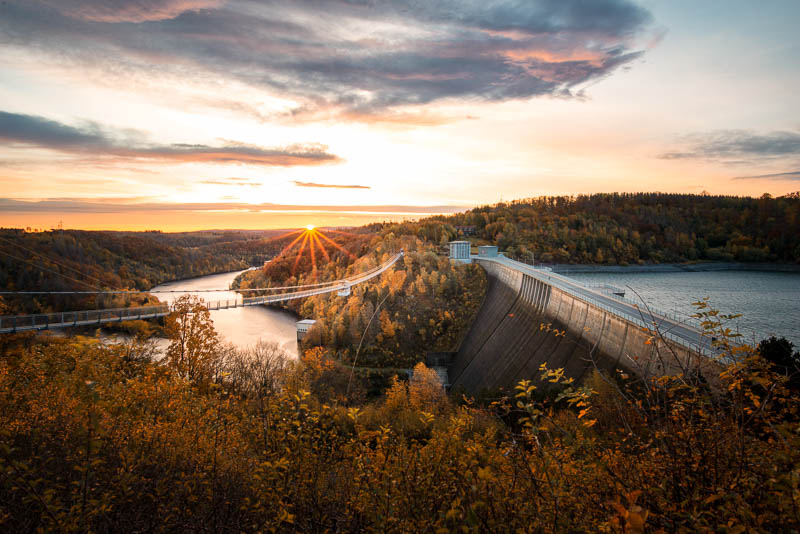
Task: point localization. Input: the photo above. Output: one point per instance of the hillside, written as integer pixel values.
(103, 439)
(74, 260)
(629, 228)
(425, 303)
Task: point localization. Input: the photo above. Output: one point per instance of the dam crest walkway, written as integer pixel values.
(530, 317)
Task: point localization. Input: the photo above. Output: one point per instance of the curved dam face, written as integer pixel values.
(525, 322)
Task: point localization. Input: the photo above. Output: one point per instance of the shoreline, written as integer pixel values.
(562, 268)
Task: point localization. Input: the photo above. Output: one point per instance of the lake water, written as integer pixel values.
(241, 326)
(768, 301)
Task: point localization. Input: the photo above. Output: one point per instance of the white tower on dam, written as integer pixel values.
(459, 251)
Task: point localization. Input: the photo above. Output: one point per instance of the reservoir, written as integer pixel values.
(768, 301)
(241, 326)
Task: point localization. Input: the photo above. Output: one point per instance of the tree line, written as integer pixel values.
(628, 228)
(73, 260)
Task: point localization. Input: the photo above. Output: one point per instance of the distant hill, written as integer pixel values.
(629, 228)
(75, 260)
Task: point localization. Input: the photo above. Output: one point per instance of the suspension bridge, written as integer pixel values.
(67, 319)
(528, 317)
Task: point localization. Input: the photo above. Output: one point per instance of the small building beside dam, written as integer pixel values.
(303, 327)
(487, 251)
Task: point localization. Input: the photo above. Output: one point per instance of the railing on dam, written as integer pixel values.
(45, 321)
(672, 326)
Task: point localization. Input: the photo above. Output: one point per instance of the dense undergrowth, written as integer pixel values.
(101, 438)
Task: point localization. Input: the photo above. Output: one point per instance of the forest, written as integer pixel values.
(424, 304)
(207, 437)
(614, 228)
(105, 438)
(634, 228)
(74, 260)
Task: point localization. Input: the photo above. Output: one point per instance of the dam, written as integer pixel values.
(530, 317)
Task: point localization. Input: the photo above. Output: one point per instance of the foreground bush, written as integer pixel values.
(100, 438)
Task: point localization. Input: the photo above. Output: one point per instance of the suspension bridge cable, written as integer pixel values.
(45, 269)
(52, 260)
(159, 291)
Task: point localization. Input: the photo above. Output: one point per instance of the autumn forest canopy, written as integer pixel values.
(634, 228)
(204, 436)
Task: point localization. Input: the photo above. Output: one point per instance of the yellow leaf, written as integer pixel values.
(636, 520)
(484, 473)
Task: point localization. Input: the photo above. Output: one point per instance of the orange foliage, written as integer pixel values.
(100, 438)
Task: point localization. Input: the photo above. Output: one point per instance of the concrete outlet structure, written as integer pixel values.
(303, 327)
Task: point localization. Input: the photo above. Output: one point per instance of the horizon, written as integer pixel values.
(359, 215)
(329, 113)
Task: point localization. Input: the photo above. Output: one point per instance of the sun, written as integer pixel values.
(309, 227)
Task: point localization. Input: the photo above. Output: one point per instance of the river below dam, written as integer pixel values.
(241, 326)
(768, 301)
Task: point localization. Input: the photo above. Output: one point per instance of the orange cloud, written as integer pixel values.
(122, 11)
(548, 56)
(334, 186)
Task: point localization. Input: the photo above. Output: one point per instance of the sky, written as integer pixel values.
(195, 114)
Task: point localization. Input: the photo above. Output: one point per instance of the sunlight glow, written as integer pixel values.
(308, 242)
(309, 227)
(300, 252)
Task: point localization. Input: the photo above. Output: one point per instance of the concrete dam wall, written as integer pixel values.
(519, 327)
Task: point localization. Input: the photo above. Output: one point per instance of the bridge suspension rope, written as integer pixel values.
(51, 260)
(167, 291)
(18, 323)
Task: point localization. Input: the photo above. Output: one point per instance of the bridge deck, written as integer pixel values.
(46, 321)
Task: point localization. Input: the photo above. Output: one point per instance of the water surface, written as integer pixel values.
(768, 301)
(241, 326)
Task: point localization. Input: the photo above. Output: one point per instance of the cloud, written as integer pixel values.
(128, 10)
(358, 58)
(311, 184)
(118, 205)
(246, 182)
(782, 176)
(33, 130)
(98, 141)
(738, 145)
